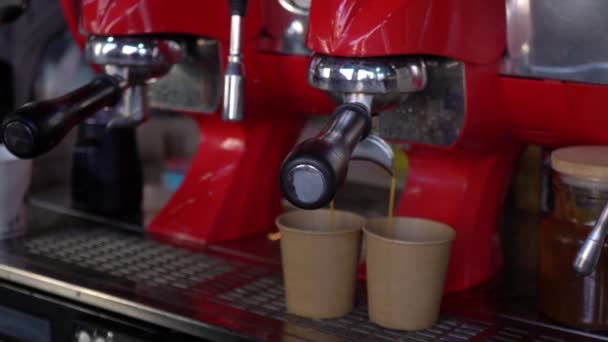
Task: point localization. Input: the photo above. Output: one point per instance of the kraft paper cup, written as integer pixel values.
(406, 272)
(320, 261)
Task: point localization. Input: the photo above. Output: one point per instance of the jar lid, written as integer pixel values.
(582, 161)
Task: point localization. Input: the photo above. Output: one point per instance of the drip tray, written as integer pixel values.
(130, 257)
(238, 285)
(265, 297)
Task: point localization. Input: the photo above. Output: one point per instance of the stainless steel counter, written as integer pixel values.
(230, 292)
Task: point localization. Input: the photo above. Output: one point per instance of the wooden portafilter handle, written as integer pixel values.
(39, 126)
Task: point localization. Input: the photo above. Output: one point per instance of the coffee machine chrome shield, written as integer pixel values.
(387, 79)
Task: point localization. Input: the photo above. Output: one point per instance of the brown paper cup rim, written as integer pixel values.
(342, 230)
(446, 232)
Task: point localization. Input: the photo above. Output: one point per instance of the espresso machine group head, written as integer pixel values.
(129, 64)
(317, 167)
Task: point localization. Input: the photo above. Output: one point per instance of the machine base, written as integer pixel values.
(223, 292)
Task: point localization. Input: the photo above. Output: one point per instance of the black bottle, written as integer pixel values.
(106, 171)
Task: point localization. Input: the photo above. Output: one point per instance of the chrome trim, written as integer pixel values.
(234, 86)
(234, 77)
(376, 150)
(284, 28)
(236, 32)
(182, 74)
(308, 182)
(382, 75)
(133, 51)
(293, 8)
(132, 109)
(364, 99)
(111, 303)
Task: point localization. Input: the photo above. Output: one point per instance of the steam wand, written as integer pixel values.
(234, 77)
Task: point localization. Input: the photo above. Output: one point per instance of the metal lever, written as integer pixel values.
(234, 77)
(376, 150)
(588, 256)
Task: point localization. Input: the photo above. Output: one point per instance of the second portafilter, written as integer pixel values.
(315, 169)
(129, 63)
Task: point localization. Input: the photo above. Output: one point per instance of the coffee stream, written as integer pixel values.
(391, 206)
(331, 215)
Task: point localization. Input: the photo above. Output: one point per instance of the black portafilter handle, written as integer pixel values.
(316, 168)
(10, 10)
(39, 126)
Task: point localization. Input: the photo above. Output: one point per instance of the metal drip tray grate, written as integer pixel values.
(265, 297)
(249, 287)
(130, 257)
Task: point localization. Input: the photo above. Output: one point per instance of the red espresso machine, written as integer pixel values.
(155, 54)
(459, 85)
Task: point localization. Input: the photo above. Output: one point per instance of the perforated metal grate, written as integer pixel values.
(130, 257)
(514, 334)
(247, 287)
(265, 297)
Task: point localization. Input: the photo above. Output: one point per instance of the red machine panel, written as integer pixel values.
(468, 30)
(556, 113)
(231, 190)
(462, 185)
(135, 17)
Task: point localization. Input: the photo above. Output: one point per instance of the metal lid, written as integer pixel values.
(589, 162)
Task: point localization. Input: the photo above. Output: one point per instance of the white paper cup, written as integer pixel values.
(15, 176)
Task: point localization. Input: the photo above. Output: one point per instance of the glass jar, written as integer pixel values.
(564, 296)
